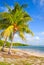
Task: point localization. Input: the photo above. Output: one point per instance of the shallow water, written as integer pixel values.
(31, 48)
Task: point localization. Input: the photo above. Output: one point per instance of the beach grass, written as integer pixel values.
(4, 63)
(22, 61)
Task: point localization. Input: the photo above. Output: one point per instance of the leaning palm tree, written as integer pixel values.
(15, 20)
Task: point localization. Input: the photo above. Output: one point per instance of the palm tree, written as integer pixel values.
(15, 20)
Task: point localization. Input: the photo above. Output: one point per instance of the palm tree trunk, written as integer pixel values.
(9, 52)
(4, 45)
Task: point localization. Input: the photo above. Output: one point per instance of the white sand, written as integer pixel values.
(25, 52)
(33, 53)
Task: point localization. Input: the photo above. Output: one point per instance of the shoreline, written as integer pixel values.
(32, 53)
(24, 53)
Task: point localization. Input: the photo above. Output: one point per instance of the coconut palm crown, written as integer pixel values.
(15, 20)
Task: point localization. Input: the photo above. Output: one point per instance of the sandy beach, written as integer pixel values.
(23, 53)
(21, 57)
(33, 53)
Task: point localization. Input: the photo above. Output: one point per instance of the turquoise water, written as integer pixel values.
(32, 48)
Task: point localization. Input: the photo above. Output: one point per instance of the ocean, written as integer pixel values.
(31, 48)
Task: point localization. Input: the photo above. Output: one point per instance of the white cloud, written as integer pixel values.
(31, 38)
(40, 33)
(38, 17)
(18, 39)
(5, 9)
(41, 2)
(37, 38)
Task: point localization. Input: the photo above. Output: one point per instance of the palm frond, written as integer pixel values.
(6, 32)
(10, 37)
(4, 23)
(8, 7)
(7, 16)
(25, 28)
(21, 34)
(24, 5)
(17, 6)
(23, 18)
(26, 17)
(15, 16)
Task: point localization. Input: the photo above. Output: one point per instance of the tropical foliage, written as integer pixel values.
(14, 21)
(14, 44)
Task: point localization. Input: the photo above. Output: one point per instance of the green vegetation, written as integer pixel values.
(4, 63)
(14, 44)
(19, 44)
(14, 21)
(32, 60)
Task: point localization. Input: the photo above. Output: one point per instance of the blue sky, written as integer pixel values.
(36, 10)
